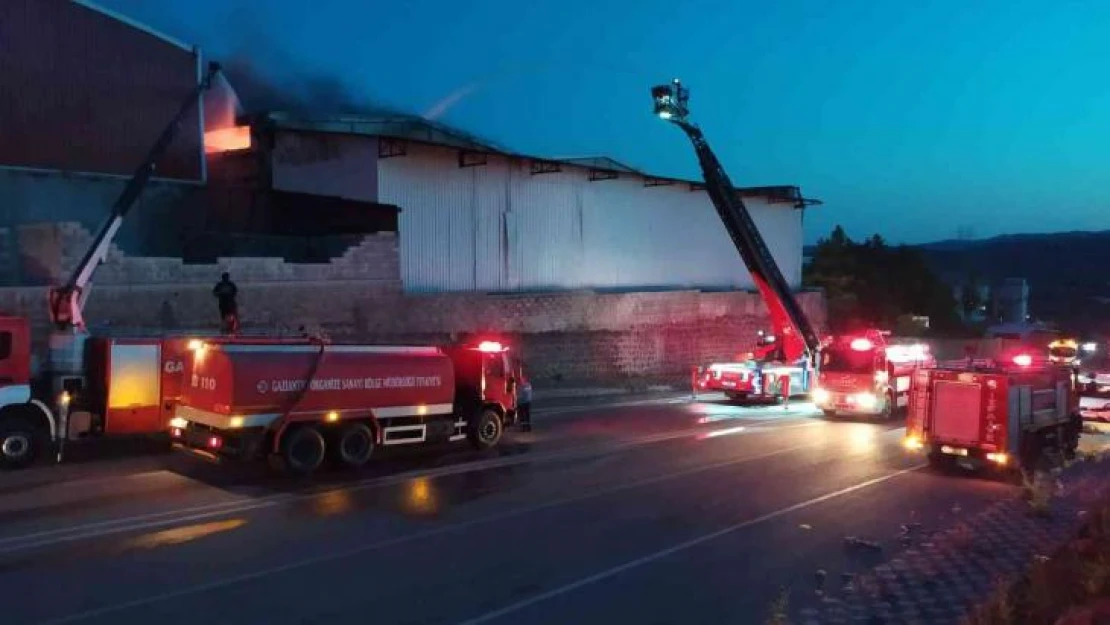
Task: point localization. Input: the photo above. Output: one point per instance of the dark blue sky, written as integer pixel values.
(986, 116)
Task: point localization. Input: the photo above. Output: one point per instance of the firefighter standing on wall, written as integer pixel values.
(226, 293)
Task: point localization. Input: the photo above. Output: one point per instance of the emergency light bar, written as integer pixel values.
(907, 353)
(860, 345)
(490, 347)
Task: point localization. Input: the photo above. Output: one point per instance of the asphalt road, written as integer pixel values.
(661, 512)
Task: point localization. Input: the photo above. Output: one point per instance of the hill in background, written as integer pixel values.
(1068, 272)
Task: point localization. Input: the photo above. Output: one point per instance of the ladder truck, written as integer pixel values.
(90, 387)
(789, 353)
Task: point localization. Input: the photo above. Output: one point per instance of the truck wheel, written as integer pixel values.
(736, 397)
(830, 413)
(354, 445)
(486, 430)
(303, 450)
(20, 440)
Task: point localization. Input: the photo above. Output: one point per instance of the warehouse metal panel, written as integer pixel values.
(83, 90)
(437, 225)
(546, 242)
(499, 227)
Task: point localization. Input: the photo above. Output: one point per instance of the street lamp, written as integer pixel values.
(671, 101)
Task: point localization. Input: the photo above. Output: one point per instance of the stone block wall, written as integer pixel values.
(567, 338)
(53, 249)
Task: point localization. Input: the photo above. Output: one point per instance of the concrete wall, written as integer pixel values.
(55, 248)
(568, 338)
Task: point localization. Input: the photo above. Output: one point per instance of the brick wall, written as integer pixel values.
(568, 338)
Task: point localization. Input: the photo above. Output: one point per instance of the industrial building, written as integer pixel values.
(478, 217)
(87, 91)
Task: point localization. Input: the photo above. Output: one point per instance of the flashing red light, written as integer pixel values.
(215, 442)
(175, 432)
(490, 347)
(1023, 360)
(860, 345)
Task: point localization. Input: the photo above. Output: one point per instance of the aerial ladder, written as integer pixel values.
(65, 371)
(794, 341)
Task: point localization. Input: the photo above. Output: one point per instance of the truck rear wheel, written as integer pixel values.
(354, 445)
(20, 439)
(486, 429)
(303, 450)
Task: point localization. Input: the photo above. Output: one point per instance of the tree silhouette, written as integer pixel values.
(872, 284)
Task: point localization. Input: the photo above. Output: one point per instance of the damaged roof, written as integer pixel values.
(416, 128)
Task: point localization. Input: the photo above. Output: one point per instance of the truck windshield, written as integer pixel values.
(847, 360)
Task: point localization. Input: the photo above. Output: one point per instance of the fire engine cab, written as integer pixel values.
(1001, 412)
(862, 374)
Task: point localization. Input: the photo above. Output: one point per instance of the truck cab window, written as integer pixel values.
(495, 366)
(5, 345)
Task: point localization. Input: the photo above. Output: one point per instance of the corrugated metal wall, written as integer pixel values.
(499, 228)
(82, 91)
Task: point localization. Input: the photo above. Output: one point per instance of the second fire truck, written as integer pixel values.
(1003, 412)
(865, 375)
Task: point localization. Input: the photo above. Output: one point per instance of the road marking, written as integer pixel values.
(663, 553)
(332, 557)
(189, 515)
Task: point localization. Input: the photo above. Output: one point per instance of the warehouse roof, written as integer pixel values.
(88, 4)
(415, 128)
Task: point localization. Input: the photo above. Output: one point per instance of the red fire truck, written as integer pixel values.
(299, 403)
(89, 387)
(865, 375)
(785, 359)
(1002, 412)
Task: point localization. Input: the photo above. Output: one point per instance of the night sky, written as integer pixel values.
(972, 117)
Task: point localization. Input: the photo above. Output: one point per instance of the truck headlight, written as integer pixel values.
(866, 400)
(820, 396)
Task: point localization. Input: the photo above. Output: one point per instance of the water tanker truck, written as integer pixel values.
(299, 403)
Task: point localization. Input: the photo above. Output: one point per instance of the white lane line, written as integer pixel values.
(332, 557)
(631, 564)
(187, 515)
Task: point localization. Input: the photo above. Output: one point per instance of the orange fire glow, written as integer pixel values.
(227, 139)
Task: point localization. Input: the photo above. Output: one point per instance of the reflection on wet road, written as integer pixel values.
(597, 516)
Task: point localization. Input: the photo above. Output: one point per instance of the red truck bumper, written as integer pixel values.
(217, 445)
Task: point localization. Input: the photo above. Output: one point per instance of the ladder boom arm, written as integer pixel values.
(67, 301)
(789, 321)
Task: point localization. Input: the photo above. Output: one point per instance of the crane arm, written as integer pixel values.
(789, 322)
(67, 301)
